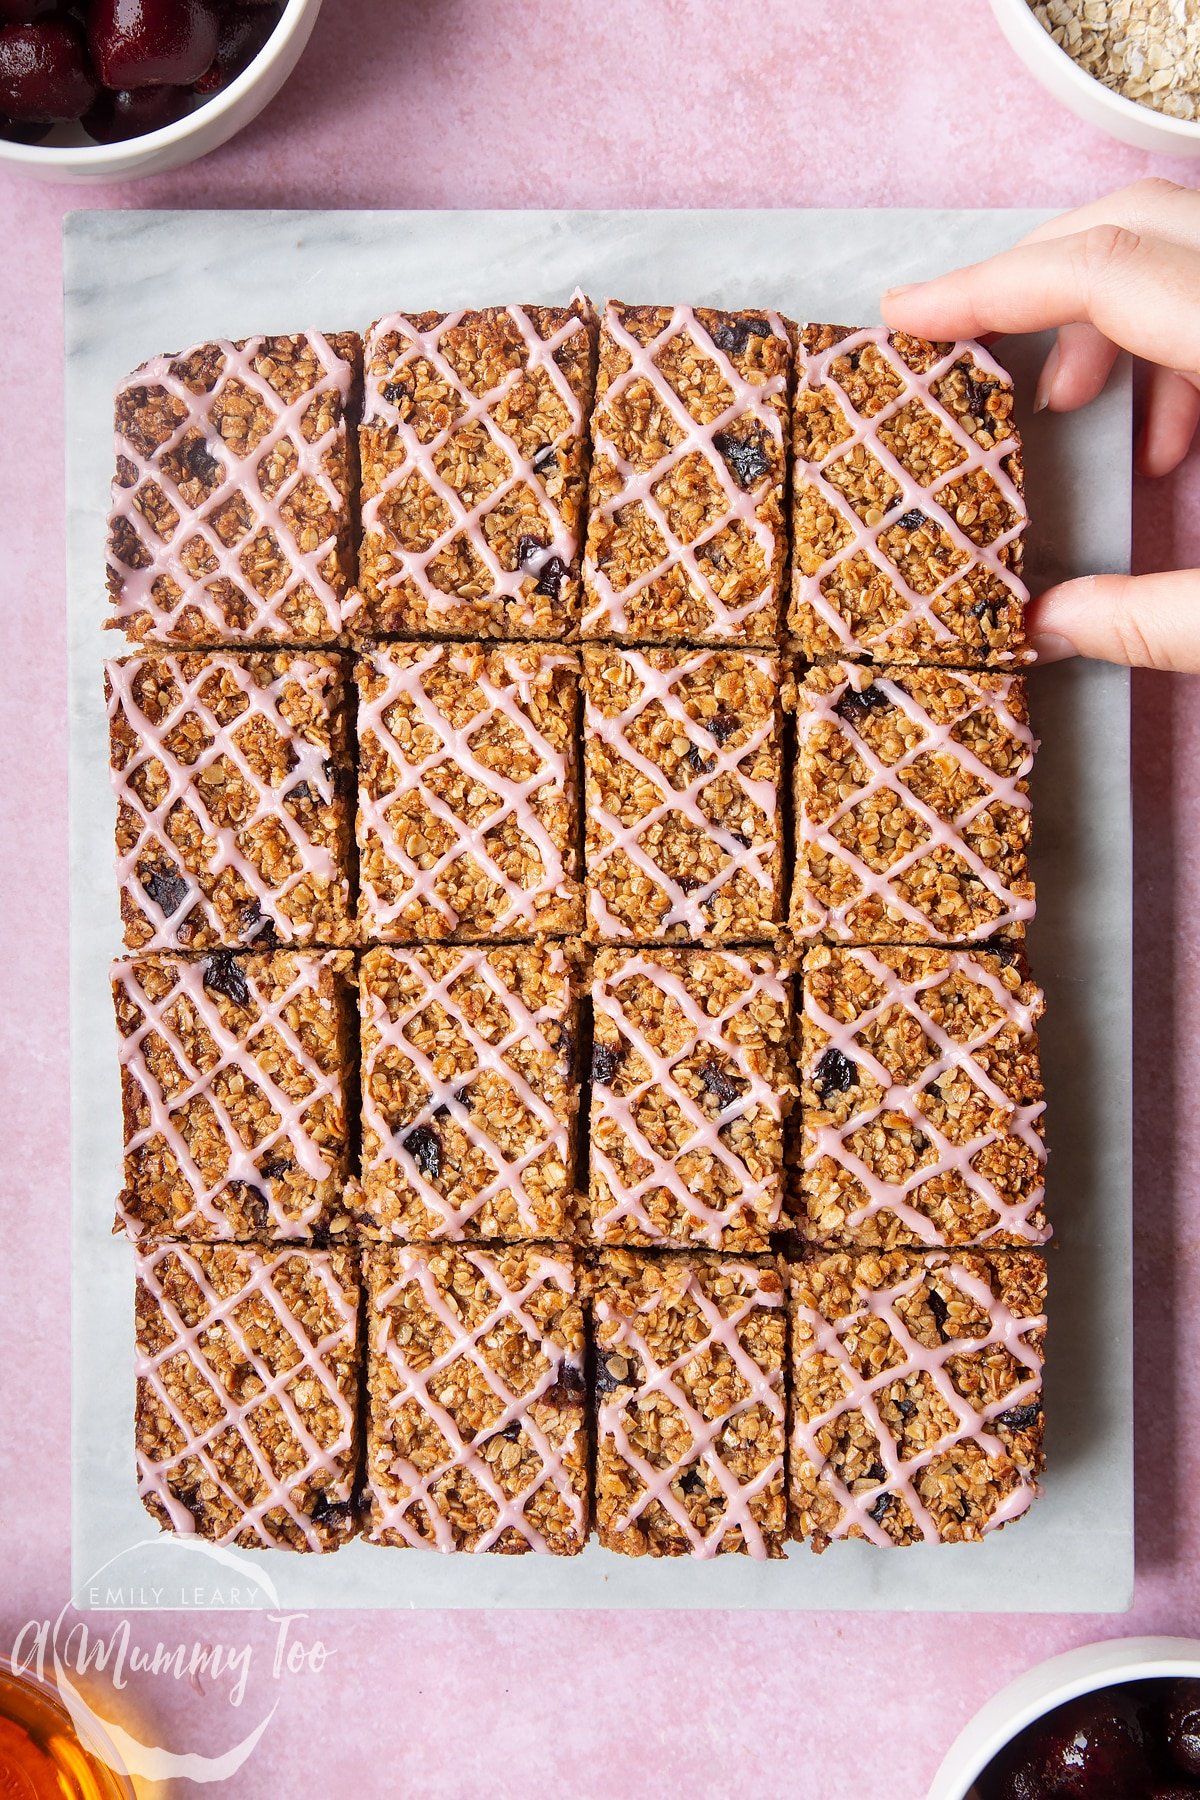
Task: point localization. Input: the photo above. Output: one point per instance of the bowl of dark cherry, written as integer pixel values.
(1114, 1721)
(98, 90)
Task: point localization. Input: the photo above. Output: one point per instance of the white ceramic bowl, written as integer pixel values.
(70, 156)
(1041, 1689)
(1126, 119)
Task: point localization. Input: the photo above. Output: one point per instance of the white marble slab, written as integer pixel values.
(140, 282)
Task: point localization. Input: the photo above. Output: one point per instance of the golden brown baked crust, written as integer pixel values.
(683, 759)
(912, 805)
(689, 1404)
(908, 507)
(916, 1394)
(232, 517)
(231, 772)
(468, 823)
(477, 1435)
(248, 1365)
(921, 1100)
(473, 447)
(686, 530)
(469, 1092)
(690, 1085)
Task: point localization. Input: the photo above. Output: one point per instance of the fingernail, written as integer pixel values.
(1041, 398)
(906, 287)
(1051, 646)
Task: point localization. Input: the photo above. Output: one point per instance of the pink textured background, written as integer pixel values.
(626, 103)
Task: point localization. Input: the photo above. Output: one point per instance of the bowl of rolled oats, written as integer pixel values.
(1131, 67)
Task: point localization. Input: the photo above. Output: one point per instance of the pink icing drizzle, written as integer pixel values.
(755, 1202)
(137, 585)
(762, 1390)
(608, 611)
(526, 1031)
(756, 860)
(942, 837)
(403, 673)
(463, 1344)
(220, 1320)
(421, 457)
(265, 702)
(815, 375)
(1014, 1218)
(289, 1136)
(971, 1423)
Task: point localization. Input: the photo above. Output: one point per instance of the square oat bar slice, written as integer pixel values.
(908, 508)
(473, 452)
(912, 805)
(247, 1417)
(916, 1394)
(686, 534)
(469, 1092)
(234, 1072)
(690, 1085)
(231, 508)
(683, 761)
(231, 775)
(468, 823)
(689, 1399)
(922, 1100)
(477, 1433)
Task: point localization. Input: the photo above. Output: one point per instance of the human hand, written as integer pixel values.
(1120, 274)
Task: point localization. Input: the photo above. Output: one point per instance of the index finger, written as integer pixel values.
(1141, 292)
(1154, 207)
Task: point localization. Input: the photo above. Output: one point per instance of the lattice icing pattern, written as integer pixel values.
(247, 1367)
(231, 517)
(232, 822)
(916, 1395)
(689, 1394)
(472, 449)
(912, 805)
(690, 1085)
(477, 1437)
(683, 768)
(685, 527)
(922, 1100)
(467, 805)
(233, 1078)
(908, 506)
(469, 1092)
